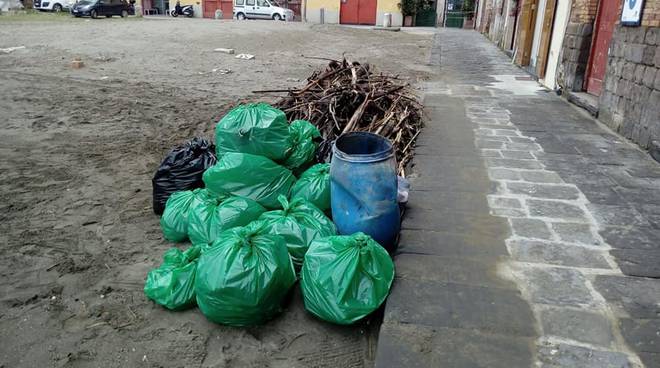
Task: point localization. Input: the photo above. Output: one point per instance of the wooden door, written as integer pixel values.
(227, 8)
(210, 6)
(608, 13)
(357, 12)
(527, 24)
(348, 12)
(367, 12)
(546, 33)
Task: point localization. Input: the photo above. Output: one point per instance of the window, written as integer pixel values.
(263, 3)
(240, 2)
(249, 2)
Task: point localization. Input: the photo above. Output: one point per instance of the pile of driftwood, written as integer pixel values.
(348, 96)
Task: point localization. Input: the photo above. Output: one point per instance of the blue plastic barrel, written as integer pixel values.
(363, 187)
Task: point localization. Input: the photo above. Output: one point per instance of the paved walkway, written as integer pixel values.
(533, 233)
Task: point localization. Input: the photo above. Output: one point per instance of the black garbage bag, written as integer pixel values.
(182, 169)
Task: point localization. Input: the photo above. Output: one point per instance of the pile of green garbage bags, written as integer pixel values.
(259, 220)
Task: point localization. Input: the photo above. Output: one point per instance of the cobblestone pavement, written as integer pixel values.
(533, 233)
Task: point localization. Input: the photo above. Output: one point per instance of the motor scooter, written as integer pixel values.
(186, 10)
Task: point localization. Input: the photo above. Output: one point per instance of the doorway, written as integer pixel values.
(227, 7)
(608, 13)
(527, 24)
(538, 31)
(427, 18)
(562, 14)
(546, 33)
(454, 14)
(357, 12)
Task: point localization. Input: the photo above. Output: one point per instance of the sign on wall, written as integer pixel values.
(631, 14)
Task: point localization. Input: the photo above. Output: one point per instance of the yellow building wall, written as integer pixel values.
(327, 4)
(388, 6)
(332, 8)
(330, 14)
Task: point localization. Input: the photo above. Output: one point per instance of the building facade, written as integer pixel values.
(364, 12)
(604, 52)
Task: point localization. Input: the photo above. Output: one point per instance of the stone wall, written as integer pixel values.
(577, 45)
(575, 55)
(630, 102)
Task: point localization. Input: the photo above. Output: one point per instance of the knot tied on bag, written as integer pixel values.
(362, 240)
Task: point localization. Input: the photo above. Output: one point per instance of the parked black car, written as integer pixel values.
(96, 8)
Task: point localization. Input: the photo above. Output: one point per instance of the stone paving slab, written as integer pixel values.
(456, 269)
(449, 244)
(487, 309)
(555, 253)
(643, 333)
(557, 287)
(579, 325)
(413, 346)
(451, 221)
(638, 262)
(635, 297)
(459, 200)
(563, 355)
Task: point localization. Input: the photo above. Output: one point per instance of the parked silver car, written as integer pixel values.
(261, 9)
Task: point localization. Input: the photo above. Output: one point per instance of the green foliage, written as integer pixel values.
(412, 7)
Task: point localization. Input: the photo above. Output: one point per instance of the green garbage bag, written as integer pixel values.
(345, 278)
(299, 223)
(210, 215)
(172, 285)
(301, 141)
(244, 276)
(174, 221)
(259, 129)
(314, 186)
(249, 176)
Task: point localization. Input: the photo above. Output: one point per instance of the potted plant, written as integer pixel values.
(408, 9)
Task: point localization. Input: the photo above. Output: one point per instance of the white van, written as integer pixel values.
(261, 9)
(53, 5)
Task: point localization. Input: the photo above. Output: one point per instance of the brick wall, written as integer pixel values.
(630, 103)
(651, 13)
(584, 11)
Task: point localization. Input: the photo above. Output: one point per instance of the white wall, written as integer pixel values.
(557, 39)
(331, 17)
(5, 5)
